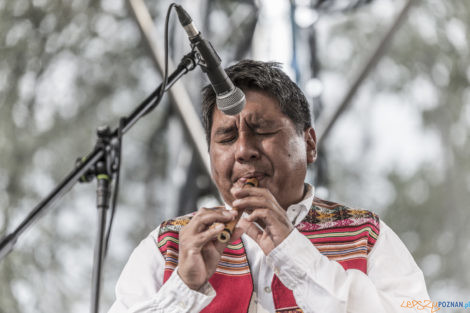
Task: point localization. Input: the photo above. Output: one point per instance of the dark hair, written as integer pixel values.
(266, 77)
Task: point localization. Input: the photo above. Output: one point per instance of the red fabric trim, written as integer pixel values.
(283, 297)
(234, 291)
(233, 294)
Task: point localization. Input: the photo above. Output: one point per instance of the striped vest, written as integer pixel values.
(342, 234)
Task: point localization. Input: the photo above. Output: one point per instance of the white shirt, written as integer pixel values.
(318, 284)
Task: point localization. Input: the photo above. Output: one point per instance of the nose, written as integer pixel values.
(247, 148)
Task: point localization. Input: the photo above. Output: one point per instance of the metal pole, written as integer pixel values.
(178, 92)
(102, 206)
(370, 65)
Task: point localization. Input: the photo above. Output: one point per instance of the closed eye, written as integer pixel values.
(266, 133)
(226, 140)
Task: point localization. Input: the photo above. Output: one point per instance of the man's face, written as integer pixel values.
(260, 142)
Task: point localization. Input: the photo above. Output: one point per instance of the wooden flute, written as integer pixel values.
(225, 235)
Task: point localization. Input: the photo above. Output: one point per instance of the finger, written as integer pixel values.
(275, 226)
(243, 192)
(263, 216)
(238, 186)
(210, 234)
(243, 226)
(268, 218)
(240, 229)
(237, 233)
(251, 202)
(220, 246)
(253, 191)
(260, 236)
(208, 217)
(260, 198)
(252, 229)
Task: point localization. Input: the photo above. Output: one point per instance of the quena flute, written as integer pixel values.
(225, 235)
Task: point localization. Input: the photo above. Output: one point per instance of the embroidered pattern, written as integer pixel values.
(233, 262)
(326, 214)
(290, 310)
(342, 234)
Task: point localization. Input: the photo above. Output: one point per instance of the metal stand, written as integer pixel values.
(104, 170)
(100, 163)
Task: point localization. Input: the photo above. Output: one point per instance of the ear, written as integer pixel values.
(311, 144)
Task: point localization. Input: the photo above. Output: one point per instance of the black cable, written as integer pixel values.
(165, 72)
(165, 76)
(119, 136)
(117, 170)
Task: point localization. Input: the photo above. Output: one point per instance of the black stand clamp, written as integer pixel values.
(102, 163)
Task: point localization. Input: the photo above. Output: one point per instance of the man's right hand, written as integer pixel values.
(199, 249)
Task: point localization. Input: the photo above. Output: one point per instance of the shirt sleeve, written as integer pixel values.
(322, 285)
(140, 287)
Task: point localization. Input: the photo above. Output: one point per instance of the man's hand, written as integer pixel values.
(199, 249)
(266, 212)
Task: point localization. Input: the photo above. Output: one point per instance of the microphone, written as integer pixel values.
(230, 99)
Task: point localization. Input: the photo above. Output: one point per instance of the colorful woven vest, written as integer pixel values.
(340, 233)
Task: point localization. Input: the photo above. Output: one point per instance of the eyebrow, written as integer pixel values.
(265, 123)
(225, 130)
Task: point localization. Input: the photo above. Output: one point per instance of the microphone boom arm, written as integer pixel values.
(187, 63)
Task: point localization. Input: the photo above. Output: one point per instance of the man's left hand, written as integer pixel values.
(266, 212)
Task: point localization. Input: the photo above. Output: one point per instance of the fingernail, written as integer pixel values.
(226, 213)
(220, 226)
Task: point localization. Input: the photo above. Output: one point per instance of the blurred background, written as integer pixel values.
(396, 77)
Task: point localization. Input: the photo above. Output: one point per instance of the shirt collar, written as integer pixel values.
(297, 212)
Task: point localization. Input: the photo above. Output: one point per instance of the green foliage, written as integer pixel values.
(68, 66)
(425, 78)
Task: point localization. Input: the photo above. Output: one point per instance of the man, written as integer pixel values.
(290, 252)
